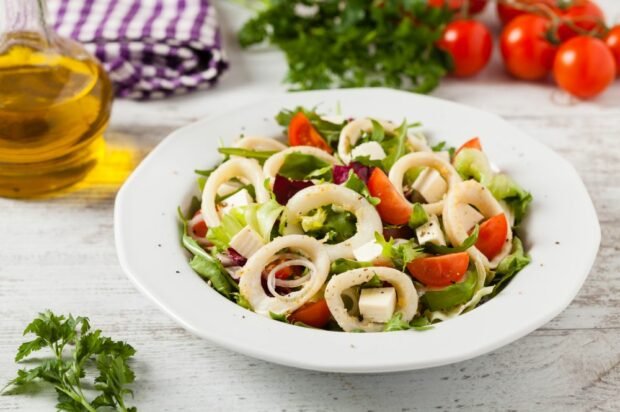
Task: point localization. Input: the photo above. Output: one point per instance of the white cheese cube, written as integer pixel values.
(246, 242)
(430, 185)
(430, 232)
(370, 252)
(241, 198)
(377, 304)
(371, 149)
(468, 216)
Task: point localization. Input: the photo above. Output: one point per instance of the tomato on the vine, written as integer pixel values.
(585, 15)
(613, 42)
(526, 51)
(470, 44)
(584, 66)
(507, 12)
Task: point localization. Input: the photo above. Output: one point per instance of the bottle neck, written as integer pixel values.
(24, 16)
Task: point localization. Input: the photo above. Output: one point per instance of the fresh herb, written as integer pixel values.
(400, 254)
(398, 147)
(418, 216)
(278, 317)
(446, 250)
(301, 166)
(363, 44)
(251, 154)
(374, 282)
(443, 147)
(355, 183)
(75, 348)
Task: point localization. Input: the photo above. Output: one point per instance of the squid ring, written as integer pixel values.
(235, 167)
(251, 286)
(473, 193)
(445, 169)
(406, 303)
(313, 197)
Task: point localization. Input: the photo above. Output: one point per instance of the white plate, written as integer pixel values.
(562, 235)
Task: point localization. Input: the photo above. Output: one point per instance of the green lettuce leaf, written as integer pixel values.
(259, 155)
(214, 273)
(450, 296)
(418, 216)
(505, 188)
(400, 254)
(510, 266)
(396, 322)
(446, 250)
(263, 217)
(300, 166)
(230, 225)
(342, 265)
(314, 220)
(356, 184)
(338, 226)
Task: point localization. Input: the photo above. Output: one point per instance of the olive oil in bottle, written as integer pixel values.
(55, 102)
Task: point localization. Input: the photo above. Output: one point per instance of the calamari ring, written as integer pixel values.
(236, 167)
(259, 143)
(472, 193)
(313, 197)
(406, 303)
(274, 163)
(445, 169)
(351, 133)
(251, 286)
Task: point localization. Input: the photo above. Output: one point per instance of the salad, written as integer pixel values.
(355, 225)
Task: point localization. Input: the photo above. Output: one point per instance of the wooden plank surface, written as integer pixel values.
(59, 254)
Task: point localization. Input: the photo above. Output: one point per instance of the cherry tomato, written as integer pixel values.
(440, 271)
(315, 314)
(584, 14)
(492, 236)
(475, 6)
(393, 208)
(199, 228)
(527, 54)
(302, 133)
(470, 44)
(584, 66)
(470, 144)
(507, 13)
(613, 42)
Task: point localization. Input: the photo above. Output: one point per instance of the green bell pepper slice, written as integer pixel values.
(450, 296)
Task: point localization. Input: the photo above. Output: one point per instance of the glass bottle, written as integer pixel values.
(55, 102)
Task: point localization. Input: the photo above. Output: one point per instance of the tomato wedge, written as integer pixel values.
(440, 271)
(470, 144)
(315, 314)
(302, 133)
(393, 207)
(492, 236)
(199, 228)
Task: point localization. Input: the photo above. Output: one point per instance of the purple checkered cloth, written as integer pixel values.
(150, 48)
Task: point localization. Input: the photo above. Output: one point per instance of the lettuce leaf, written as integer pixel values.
(396, 322)
(300, 166)
(510, 266)
(263, 217)
(504, 188)
(230, 225)
(400, 254)
(356, 184)
(342, 265)
(337, 227)
(418, 216)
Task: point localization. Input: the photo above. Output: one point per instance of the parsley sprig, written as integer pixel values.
(66, 372)
(365, 43)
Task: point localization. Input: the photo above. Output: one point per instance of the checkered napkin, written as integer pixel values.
(150, 48)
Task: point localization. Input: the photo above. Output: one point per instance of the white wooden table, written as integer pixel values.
(59, 254)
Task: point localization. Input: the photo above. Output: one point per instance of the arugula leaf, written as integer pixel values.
(300, 166)
(214, 273)
(510, 266)
(342, 265)
(354, 183)
(446, 250)
(396, 322)
(400, 254)
(378, 132)
(399, 148)
(250, 154)
(67, 373)
(418, 216)
(374, 282)
(329, 131)
(354, 46)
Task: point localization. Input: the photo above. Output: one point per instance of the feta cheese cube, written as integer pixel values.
(468, 216)
(430, 185)
(370, 252)
(246, 242)
(241, 198)
(430, 232)
(377, 304)
(371, 149)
